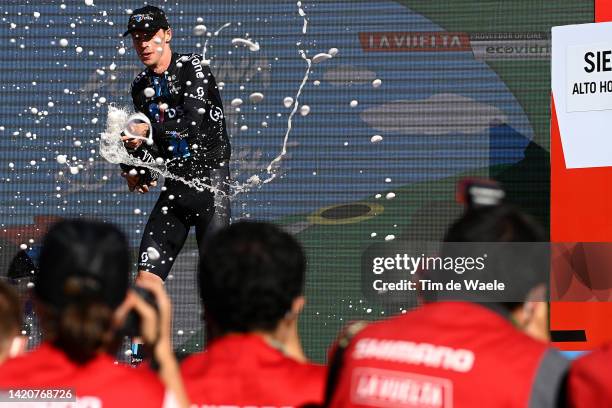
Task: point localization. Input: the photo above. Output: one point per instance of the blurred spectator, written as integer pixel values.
(11, 341)
(251, 284)
(456, 353)
(590, 384)
(82, 299)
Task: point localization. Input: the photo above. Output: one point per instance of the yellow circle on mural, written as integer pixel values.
(345, 213)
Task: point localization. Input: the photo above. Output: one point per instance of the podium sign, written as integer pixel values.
(582, 90)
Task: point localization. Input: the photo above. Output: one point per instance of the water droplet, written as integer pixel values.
(256, 97)
(153, 253)
(199, 30)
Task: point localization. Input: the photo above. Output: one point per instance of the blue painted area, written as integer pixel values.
(506, 145)
(572, 355)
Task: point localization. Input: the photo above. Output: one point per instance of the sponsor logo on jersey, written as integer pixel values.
(387, 388)
(197, 66)
(425, 354)
(216, 113)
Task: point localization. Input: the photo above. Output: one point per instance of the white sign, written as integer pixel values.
(581, 74)
(589, 77)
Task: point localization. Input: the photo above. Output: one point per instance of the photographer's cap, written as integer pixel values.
(148, 18)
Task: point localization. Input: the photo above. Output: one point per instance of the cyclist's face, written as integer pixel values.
(149, 46)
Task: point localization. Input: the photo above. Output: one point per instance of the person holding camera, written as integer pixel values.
(82, 300)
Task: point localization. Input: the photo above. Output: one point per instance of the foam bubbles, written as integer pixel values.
(236, 102)
(153, 253)
(254, 180)
(376, 83)
(320, 58)
(63, 42)
(288, 101)
(354, 104)
(376, 139)
(390, 196)
(256, 97)
(304, 110)
(199, 30)
(149, 92)
(390, 237)
(253, 46)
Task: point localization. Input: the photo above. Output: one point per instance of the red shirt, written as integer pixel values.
(98, 383)
(448, 354)
(243, 370)
(590, 383)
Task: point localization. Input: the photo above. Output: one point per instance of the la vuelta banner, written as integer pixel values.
(581, 182)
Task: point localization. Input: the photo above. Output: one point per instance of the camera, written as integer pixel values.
(131, 326)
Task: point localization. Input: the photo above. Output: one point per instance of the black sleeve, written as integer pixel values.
(197, 87)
